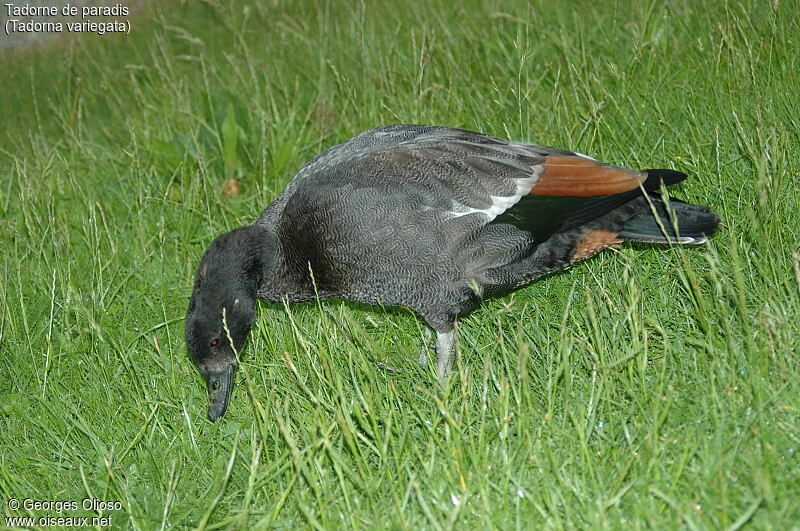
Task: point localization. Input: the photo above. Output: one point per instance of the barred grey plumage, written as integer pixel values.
(431, 218)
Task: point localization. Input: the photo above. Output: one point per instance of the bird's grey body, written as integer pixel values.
(420, 208)
(435, 219)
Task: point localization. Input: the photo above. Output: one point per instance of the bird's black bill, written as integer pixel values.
(220, 383)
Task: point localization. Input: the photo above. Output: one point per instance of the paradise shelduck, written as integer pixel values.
(431, 218)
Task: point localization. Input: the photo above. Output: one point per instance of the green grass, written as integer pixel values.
(645, 388)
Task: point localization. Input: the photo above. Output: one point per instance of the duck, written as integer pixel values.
(432, 218)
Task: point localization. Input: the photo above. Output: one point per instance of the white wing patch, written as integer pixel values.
(585, 156)
(501, 203)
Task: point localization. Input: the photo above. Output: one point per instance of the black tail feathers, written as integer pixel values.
(681, 222)
(656, 177)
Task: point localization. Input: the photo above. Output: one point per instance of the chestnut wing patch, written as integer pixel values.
(577, 176)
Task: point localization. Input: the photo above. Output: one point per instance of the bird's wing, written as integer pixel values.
(464, 173)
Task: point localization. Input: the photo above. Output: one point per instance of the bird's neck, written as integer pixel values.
(256, 256)
(239, 261)
(256, 266)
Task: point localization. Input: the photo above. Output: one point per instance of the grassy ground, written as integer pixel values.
(645, 388)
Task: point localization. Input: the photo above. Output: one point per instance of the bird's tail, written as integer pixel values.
(659, 221)
(656, 177)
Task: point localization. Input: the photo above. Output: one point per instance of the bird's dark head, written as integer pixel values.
(222, 309)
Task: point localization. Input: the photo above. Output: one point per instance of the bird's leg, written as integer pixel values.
(423, 352)
(445, 348)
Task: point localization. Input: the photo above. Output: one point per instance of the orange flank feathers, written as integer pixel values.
(581, 177)
(593, 242)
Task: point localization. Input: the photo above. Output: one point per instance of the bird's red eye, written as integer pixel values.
(214, 342)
